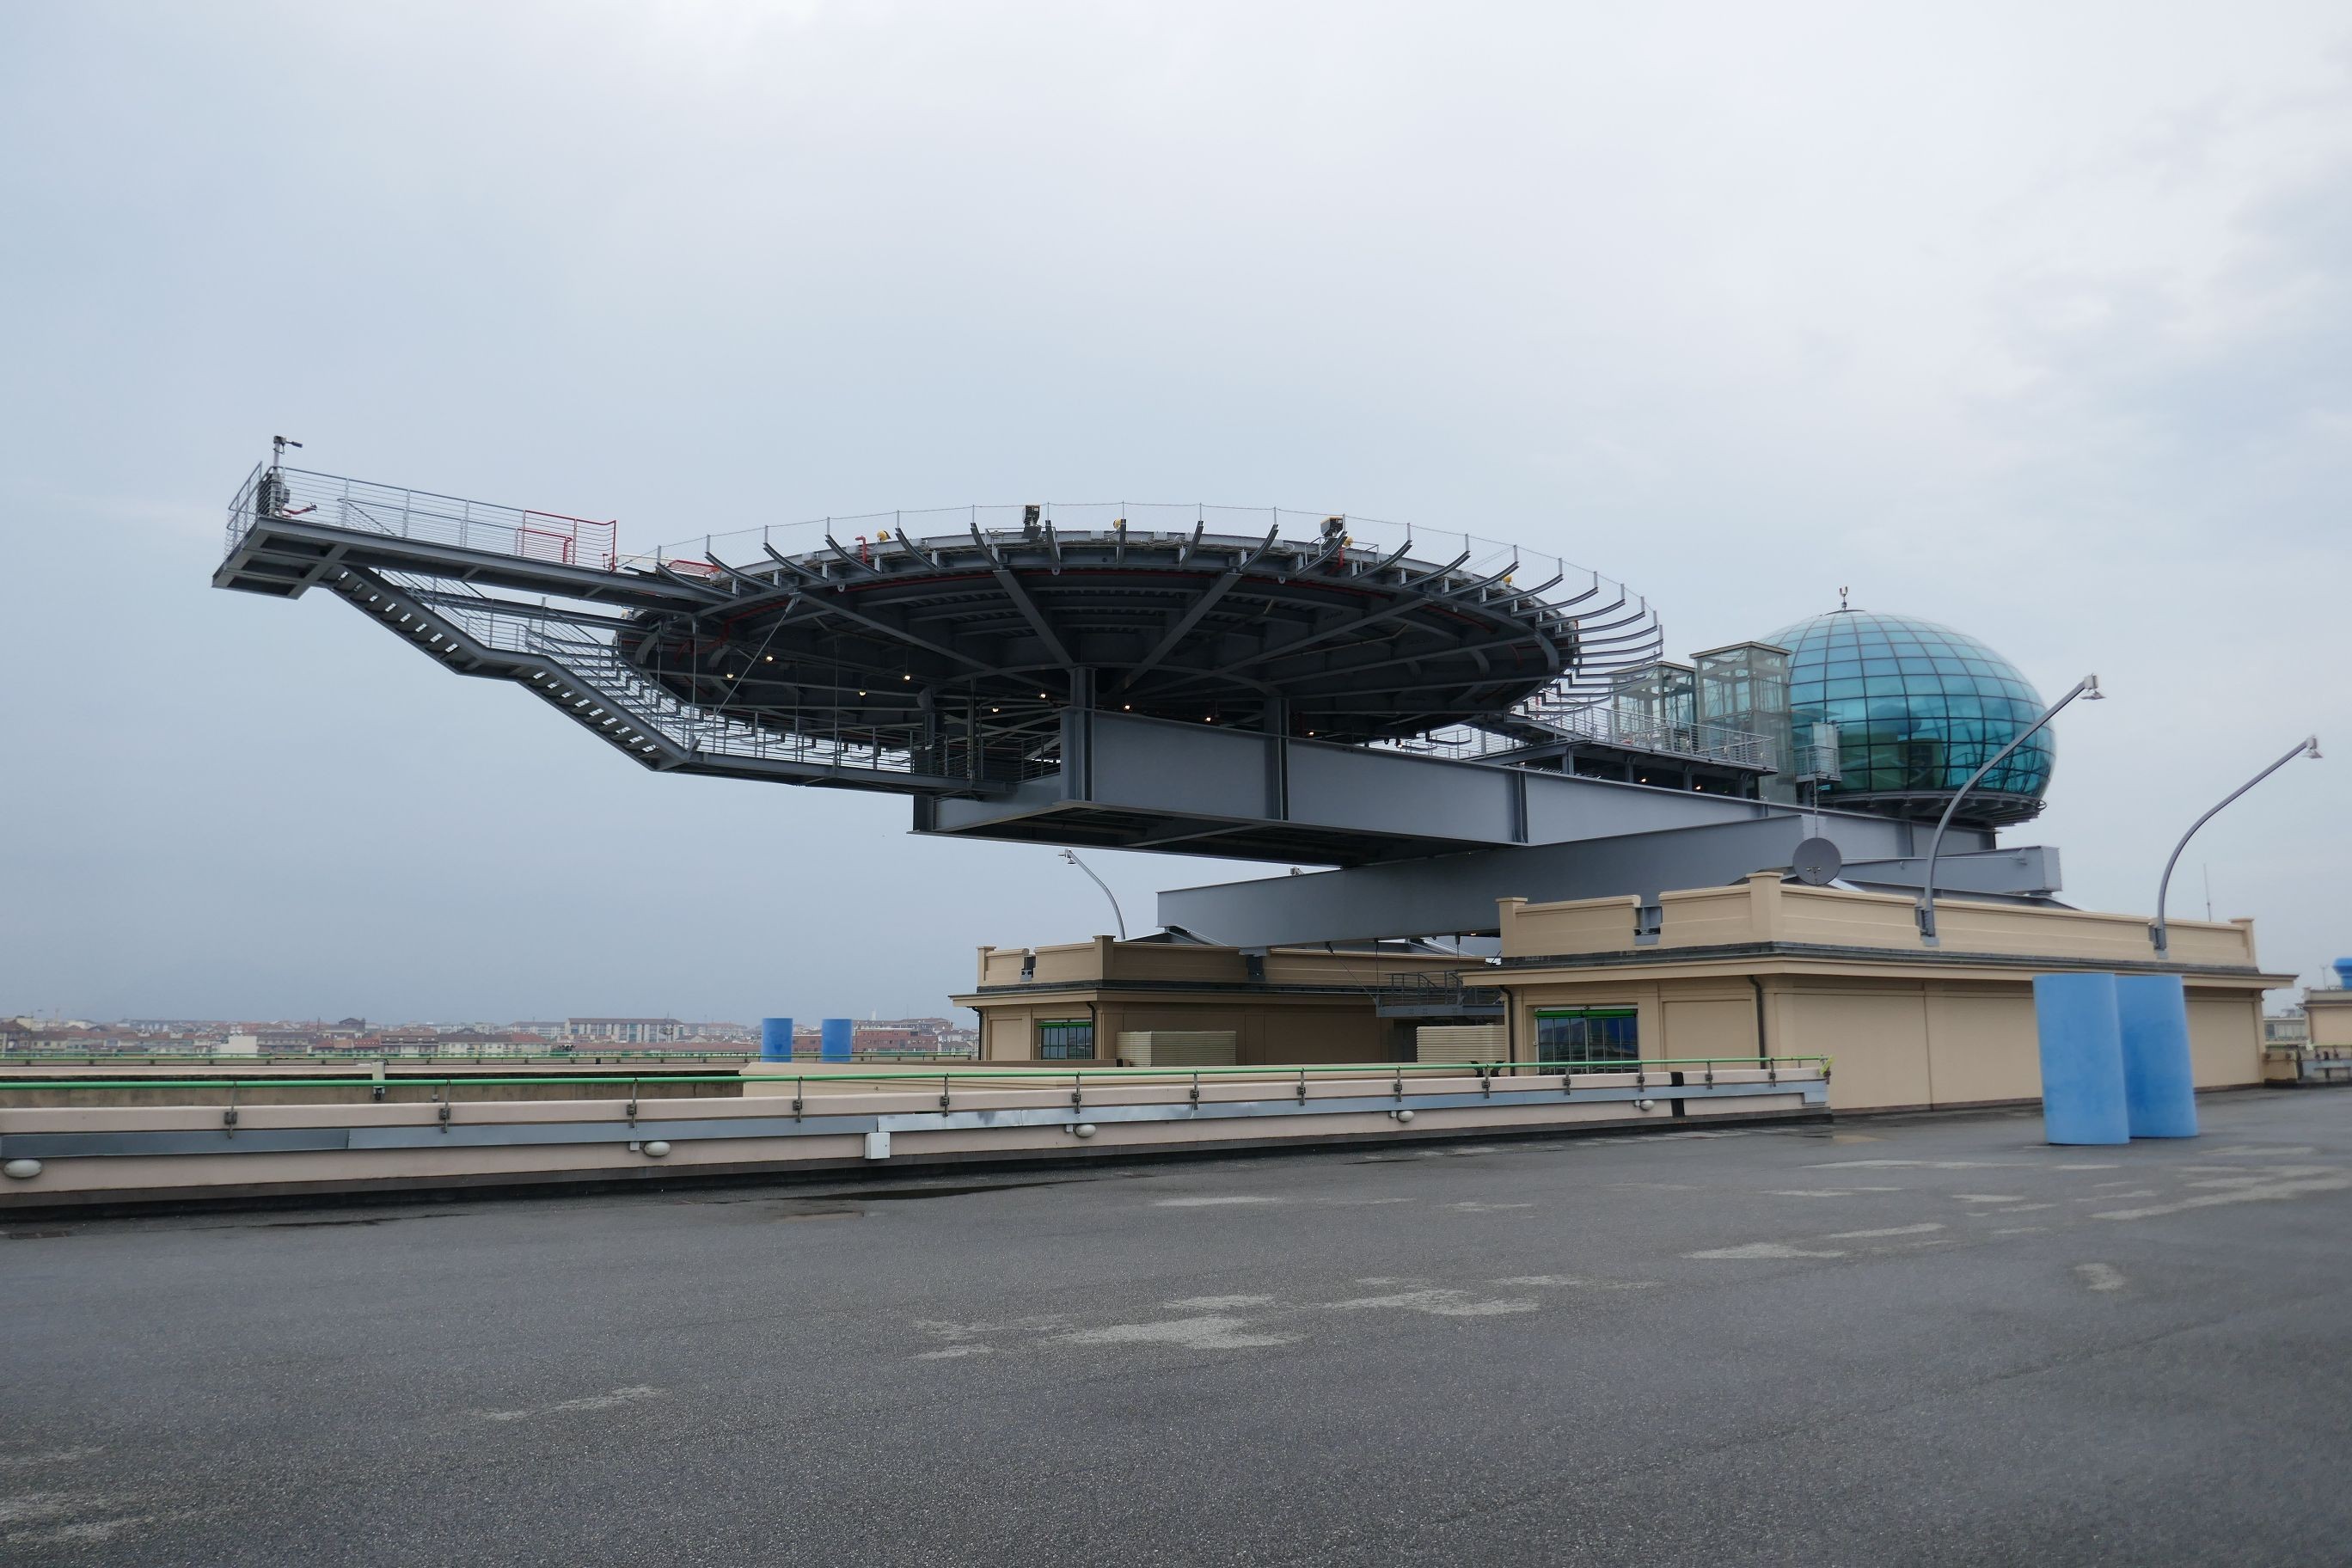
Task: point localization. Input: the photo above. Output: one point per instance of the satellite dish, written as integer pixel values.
(1817, 862)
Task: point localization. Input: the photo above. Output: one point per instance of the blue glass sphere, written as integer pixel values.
(1919, 706)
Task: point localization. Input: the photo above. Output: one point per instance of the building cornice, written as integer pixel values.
(1786, 955)
(1257, 990)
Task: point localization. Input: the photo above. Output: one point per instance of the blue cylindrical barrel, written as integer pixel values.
(775, 1039)
(834, 1041)
(2159, 1083)
(2343, 967)
(2082, 1059)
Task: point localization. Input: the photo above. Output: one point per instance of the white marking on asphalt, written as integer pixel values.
(1437, 1303)
(2099, 1276)
(939, 1330)
(1820, 1192)
(28, 1506)
(1545, 1281)
(610, 1399)
(1890, 1230)
(1205, 1334)
(2270, 1192)
(2275, 1172)
(49, 1456)
(2111, 1197)
(1989, 1197)
(1207, 1203)
(1924, 1165)
(951, 1351)
(1215, 1304)
(2021, 1230)
(1475, 1207)
(1756, 1249)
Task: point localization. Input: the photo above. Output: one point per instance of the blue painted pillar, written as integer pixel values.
(834, 1042)
(775, 1039)
(2082, 1059)
(2159, 1083)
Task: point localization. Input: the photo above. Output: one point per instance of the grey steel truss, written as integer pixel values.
(1252, 685)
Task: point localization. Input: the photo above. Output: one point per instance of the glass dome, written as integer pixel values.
(1918, 707)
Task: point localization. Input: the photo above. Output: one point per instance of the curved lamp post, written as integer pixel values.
(2159, 933)
(1072, 857)
(2086, 687)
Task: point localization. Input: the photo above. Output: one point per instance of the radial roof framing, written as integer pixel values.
(946, 655)
(1308, 624)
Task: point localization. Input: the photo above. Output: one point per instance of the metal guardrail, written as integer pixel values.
(403, 513)
(1422, 993)
(13, 1057)
(1602, 725)
(1613, 629)
(1020, 1077)
(520, 627)
(1272, 1103)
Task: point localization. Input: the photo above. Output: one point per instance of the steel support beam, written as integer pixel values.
(1154, 782)
(2027, 870)
(1455, 893)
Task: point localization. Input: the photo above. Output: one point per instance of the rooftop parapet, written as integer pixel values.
(1766, 909)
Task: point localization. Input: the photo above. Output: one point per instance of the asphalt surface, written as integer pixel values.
(1931, 1340)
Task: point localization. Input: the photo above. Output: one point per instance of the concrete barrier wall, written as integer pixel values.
(1579, 925)
(1763, 908)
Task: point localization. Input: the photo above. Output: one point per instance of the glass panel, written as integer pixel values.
(1945, 698)
(1066, 1039)
(1588, 1035)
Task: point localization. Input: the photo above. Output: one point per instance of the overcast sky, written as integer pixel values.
(2033, 318)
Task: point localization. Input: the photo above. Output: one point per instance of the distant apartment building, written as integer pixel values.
(625, 1031)
(2291, 1028)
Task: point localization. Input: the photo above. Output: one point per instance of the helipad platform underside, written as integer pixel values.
(1143, 783)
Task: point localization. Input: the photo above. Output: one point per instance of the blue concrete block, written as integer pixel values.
(2159, 1083)
(2082, 1059)
(775, 1039)
(835, 1038)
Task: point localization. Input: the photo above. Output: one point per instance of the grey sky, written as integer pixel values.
(2033, 320)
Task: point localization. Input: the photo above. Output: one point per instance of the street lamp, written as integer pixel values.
(2088, 687)
(2159, 933)
(1072, 857)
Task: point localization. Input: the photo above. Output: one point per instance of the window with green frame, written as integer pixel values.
(1066, 1039)
(1587, 1035)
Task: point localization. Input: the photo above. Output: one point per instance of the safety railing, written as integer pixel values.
(599, 664)
(302, 494)
(1604, 627)
(1660, 1069)
(1602, 725)
(13, 1055)
(1445, 985)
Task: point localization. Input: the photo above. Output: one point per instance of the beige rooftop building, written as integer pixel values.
(1760, 970)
